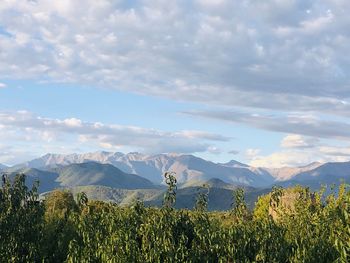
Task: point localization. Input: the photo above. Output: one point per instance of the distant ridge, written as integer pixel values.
(326, 174)
(286, 173)
(235, 164)
(191, 170)
(153, 167)
(123, 178)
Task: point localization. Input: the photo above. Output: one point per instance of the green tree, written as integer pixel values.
(21, 221)
(60, 209)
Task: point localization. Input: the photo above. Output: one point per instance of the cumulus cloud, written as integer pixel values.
(298, 141)
(26, 126)
(288, 55)
(285, 159)
(2, 85)
(295, 158)
(251, 154)
(299, 151)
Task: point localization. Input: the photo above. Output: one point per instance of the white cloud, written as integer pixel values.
(25, 127)
(288, 55)
(73, 122)
(203, 135)
(338, 152)
(288, 58)
(251, 154)
(299, 151)
(298, 141)
(2, 85)
(283, 159)
(309, 125)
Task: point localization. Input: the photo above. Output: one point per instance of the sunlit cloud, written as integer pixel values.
(24, 126)
(280, 55)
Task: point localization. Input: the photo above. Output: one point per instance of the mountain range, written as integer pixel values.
(122, 178)
(188, 168)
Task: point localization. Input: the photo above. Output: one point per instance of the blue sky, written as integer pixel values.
(264, 83)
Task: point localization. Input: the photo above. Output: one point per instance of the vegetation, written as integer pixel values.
(293, 225)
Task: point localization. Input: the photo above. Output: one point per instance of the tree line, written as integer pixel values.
(286, 225)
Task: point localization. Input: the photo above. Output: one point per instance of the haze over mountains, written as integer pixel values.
(122, 177)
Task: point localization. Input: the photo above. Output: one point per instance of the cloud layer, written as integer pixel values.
(23, 126)
(296, 123)
(289, 55)
(280, 66)
(297, 150)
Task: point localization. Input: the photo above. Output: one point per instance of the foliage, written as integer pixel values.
(21, 221)
(170, 194)
(239, 206)
(202, 198)
(287, 225)
(261, 210)
(59, 228)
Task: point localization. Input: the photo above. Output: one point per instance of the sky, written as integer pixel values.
(262, 82)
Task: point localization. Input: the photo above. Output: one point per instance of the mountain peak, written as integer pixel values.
(287, 173)
(234, 163)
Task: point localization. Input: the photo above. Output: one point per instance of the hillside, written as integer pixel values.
(83, 174)
(47, 180)
(220, 195)
(326, 174)
(92, 173)
(213, 183)
(115, 195)
(219, 198)
(287, 173)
